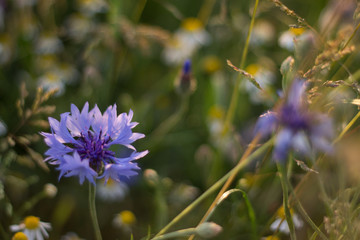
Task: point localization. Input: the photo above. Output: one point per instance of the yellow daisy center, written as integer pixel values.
(211, 64)
(272, 237)
(32, 222)
(252, 69)
(52, 77)
(192, 24)
(110, 183)
(297, 31)
(216, 112)
(19, 236)
(127, 217)
(281, 213)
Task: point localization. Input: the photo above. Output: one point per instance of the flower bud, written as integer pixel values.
(50, 190)
(208, 230)
(185, 84)
(151, 177)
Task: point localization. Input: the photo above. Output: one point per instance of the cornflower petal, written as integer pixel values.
(282, 144)
(74, 166)
(267, 123)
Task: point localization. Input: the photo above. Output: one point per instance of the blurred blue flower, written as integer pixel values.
(81, 144)
(298, 127)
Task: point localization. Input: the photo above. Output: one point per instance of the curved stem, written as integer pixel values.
(92, 191)
(215, 186)
(283, 179)
(305, 215)
(235, 94)
(230, 179)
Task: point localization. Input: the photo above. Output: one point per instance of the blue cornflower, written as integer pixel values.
(81, 144)
(298, 127)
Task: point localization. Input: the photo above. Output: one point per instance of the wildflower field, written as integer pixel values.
(178, 119)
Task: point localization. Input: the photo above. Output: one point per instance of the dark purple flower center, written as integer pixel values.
(95, 148)
(293, 118)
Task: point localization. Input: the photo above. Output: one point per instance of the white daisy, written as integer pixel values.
(112, 190)
(265, 78)
(48, 43)
(92, 7)
(124, 220)
(288, 38)
(263, 33)
(185, 41)
(280, 223)
(33, 228)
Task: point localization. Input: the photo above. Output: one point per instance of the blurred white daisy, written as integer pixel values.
(263, 33)
(33, 228)
(185, 41)
(124, 220)
(280, 223)
(57, 77)
(92, 7)
(78, 26)
(48, 43)
(287, 39)
(265, 78)
(112, 190)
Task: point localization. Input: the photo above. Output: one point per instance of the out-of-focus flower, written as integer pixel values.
(92, 7)
(185, 83)
(297, 126)
(288, 38)
(79, 26)
(33, 228)
(112, 191)
(28, 25)
(124, 220)
(182, 193)
(265, 78)
(186, 41)
(263, 33)
(5, 48)
(58, 75)
(211, 64)
(227, 143)
(80, 144)
(280, 223)
(48, 43)
(52, 80)
(19, 236)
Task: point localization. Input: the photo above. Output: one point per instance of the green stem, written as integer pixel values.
(235, 94)
(347, 127)
(304, 214)
(92, 206)
(216, 186)
(180, 233)
(283, 179)
(170, 122)
(205, 11)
